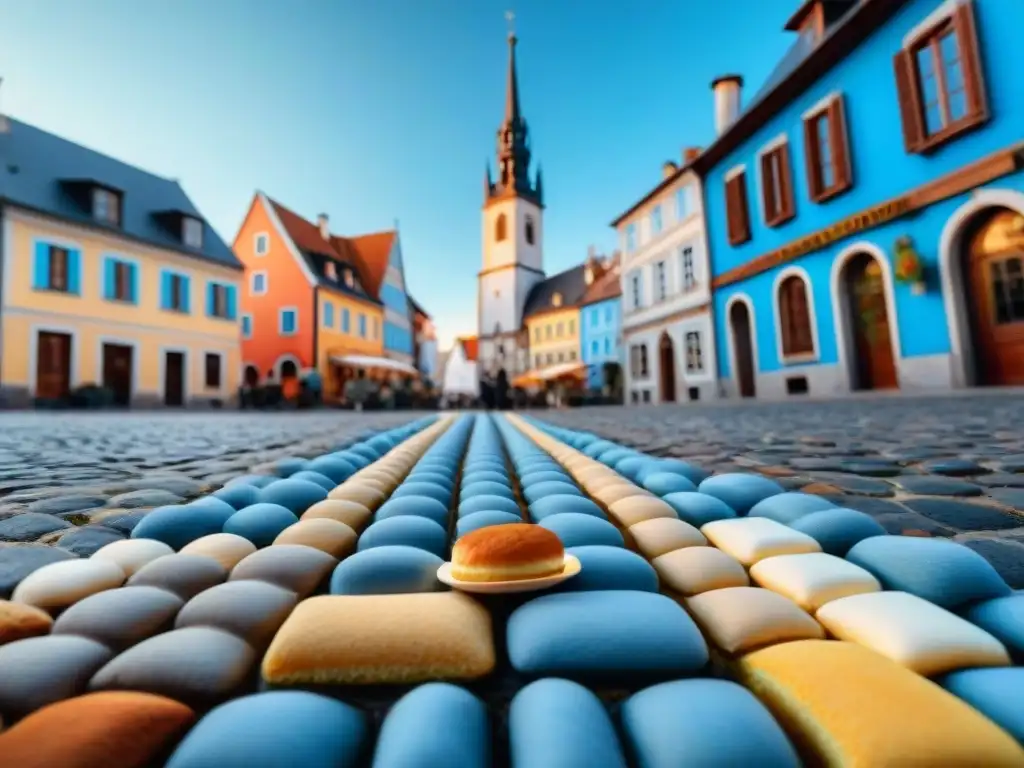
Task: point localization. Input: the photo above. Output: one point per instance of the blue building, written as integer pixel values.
(865, 209)
(601, 329)
(385, 247)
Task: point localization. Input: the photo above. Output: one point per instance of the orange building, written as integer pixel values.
(311, 298)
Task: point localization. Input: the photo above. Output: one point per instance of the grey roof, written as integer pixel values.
(35, 167)
(570, 283)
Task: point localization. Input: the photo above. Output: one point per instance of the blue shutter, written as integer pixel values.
(41, 267)
(133, 283)
(210, 304)
(186, 294)
(74, 270)
(230, 300)
(165, 289)
(345, 321)
(109, 278)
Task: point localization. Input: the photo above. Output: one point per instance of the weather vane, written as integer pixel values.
(510, 17)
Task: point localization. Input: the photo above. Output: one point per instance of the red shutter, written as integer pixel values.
(840, 143)
(732, 211)
(787, 209)
(909, 96)
(785, 316)
(812, 157)
(771, 205)
(974, 79)
(742, 208)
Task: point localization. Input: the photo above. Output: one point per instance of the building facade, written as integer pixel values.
(307, 302)
(513, 243)
(667, 330)
(110, 277)
(601, 330)
(552, 317)
(460, 380)
(424, 341)
(399, 337)
(866, 208)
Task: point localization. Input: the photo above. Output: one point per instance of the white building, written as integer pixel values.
(666, 293)
(460, 371)
(512, 248)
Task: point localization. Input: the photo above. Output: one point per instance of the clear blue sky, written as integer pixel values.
(376, 110)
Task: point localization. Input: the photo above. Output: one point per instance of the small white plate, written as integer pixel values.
(571, 567)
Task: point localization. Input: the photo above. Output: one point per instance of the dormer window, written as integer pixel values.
(350, 280)
(106, 206)
(192, 232)
(330, 271)
(556, 300)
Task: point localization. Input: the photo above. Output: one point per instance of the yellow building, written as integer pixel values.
(110, 277)
(554, 337)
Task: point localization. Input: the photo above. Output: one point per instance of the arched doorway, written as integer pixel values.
(289, 370)
(871, 360)
(992, 264)
(667, 368)
(743, 348)
(251, 377)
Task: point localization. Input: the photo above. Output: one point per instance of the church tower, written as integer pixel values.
(513, 254)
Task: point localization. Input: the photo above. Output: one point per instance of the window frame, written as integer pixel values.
(687, 194)
(259, 237)
(252, 283)
(688, 268)
(657, 224)
(63, 285)
(220, 309)
(737, 206)
(832, 111)
(246, 320)
(217, 385)
(294, 311)
(111, 215)
(501, 228)
(661, 280)
(192, 225)
(959, 18)
(792, 330)
(694, 350)
(775, 158)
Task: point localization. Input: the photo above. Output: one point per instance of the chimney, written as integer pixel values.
(668, 168)
(690, 154)
(727, 101)
(324, 223)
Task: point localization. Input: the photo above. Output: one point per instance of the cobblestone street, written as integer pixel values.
(951, 467)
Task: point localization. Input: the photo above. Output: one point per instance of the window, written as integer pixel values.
(643, 361)
(350, 279)
(192, 232)
(608, 314)
(362, 325)
(660, 281)
(346, 323)
(288, 322)
(536, 334)
(262, 244)
(825, 152)
(537, 361)
(212, 370)
(572, 327)
(630, 238)
(940, 84)
(501, 228)
(736, 210)
(594, 348)
(635, 288)
(559, 330)
(607, 346)
(548, 331)
(646, 395)
(328, 315)
(331, 271)
(106, 206)
(258, 284)
(685, 202)
(529, 230)
(55, 269)
(594, 317)
(556, 300)
(795, 317)
(656, 220)
(374, 328)
(777, 185)
(220, 301)
(118, 280)
(694, 353)
(561, 357)
(549, 358)
(174, 292)
(634, 396)
(689, 277)
(246, 326)
(572, 354)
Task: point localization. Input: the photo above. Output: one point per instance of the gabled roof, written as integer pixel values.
(318, 253)
(469, 346)
(39, 170)
(372, 253)
(570, 284)
(607, 286)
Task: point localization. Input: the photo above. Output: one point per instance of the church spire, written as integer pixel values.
(513, 138)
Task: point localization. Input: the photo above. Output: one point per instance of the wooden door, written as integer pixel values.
(667, 368)
(53, 365)
(996, 274)
(874, 363)
(117, 372)
(174, 379)
(743, 349)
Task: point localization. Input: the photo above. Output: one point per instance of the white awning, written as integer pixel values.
(556, 371)
(370, 361)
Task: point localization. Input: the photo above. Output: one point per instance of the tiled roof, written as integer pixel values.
(470, 347)
(318, 253)
(373, 252)
(36, 167)
(607, 286)
(570, 284)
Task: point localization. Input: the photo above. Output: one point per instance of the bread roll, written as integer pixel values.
(507, 553)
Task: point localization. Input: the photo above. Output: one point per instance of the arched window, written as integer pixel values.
(501, 228)
(529, 230)
(795, 317)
